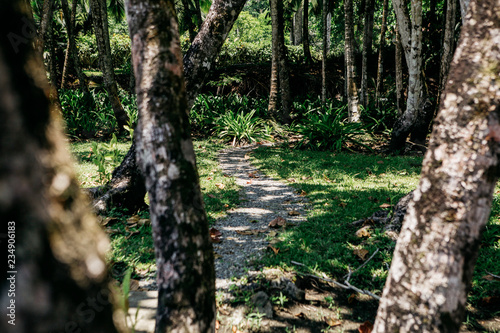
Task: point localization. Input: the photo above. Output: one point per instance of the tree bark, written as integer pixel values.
(305, 34)
(367, 49)
(448, 44)
(380, 64)
(324, 15)
(464, 6)
(399, 55)
(411, 37)
(201, 56)
(126, 187)
(431, 271)
(284, 75)
(100, 21)
(184, 256)
(59, 269)
(298, 25)
(352, 90)
(45, 24)
(71, 51)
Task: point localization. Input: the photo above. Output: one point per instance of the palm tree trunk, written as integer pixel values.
(305, 34)
(352, 90)
(100, 21)
(380, 63)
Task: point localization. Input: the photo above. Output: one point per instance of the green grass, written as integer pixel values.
(343, 188)
(132, 245)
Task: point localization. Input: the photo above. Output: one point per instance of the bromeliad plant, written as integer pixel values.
(241, 127)
(328, 129)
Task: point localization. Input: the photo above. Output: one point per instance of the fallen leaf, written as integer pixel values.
(209, 178)
(247, 156)
(332, 322)
(272, 233)
(286, 202)
(249, 182)
(385, 205)
(109, 221)
(363, 232)
(366, 327)
(351, 299)
(253, 175)
(144, 222)
(306, 178)
(275, 250)
(361, 253)
(226, 175)
(134, 285)
(293, 213)
(217, 325)
(291, 180)
(211, 196)
(236, 330)
(342, 204)
(277, 222)
(245, 232)
(226, 206)
(380, 162)
(303, 193)
(217, 256)
(215, 235)
(491, 278)
(220, 185)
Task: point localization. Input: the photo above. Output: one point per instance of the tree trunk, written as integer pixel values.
(45, 24)
(399, 55)
(305, 34)
(205, 48)
(193, 15)
(184, 256)
(100, 21)
(352, 90)
(448, 41)
(324, 16)
(298, 25)
(367, 50)
(126, 187)
(71, 51)
(464, 6)
(431, 271)
(284, 75)
(411, 37)
(59, 270)
(380, 64)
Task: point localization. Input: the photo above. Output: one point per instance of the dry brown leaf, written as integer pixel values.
(363, 232)
(301, 315)
(144, 222)
(245, 232)
(220, 185)
(366, 327)
(134, 285)
(332, 322)
(343, 204)
(361, 253)
(249, 182)
(351, 299)
(293, 213)
(385, 205)
(109, 221)
(236, 330)
(306, 178)
(133, 219)
(215, 235)
(247, 156)
(209, 178)
(303, 193)
(272, 233)
(291, 180)
(490, 278)
(217, 256)
(275, 250)
(277, 222)
(253, 175)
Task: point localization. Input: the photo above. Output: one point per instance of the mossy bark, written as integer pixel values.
(165, 154)
(431, 271)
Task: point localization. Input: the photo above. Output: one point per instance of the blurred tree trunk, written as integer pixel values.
(100, 22)
(410, 30)
(305, 34)
(324, 17)
(279, 95)
(380, 64)
(298, 25)
(433, 263)
(184, 256)
(350, 64)
(126, 187)
(59, 272)
(399, 55)
(464, 5)
(367, 49)
(45, 24)
(448, 44)
(71, 51)
(193, 13)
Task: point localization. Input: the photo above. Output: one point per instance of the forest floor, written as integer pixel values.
(254, 298)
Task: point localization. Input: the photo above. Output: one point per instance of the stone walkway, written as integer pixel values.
(245, 230)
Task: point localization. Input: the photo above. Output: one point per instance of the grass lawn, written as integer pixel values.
(131, 242)
(343, 188)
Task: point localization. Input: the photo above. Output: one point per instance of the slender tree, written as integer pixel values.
(324, 18)
(367, 49)
(184, 256)
(380, 62)
(352, 90)
(59, 272)
(410, 29)
(399, 56)
(297, 24)
(127, 184)
(448, 43)
(100, 23)
(305, 34)
(192, 15)
(431, 271)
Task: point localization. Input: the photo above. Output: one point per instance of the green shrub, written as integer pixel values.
(328, 129)
(241, 127)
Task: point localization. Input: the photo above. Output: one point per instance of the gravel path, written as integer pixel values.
(262, 200)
